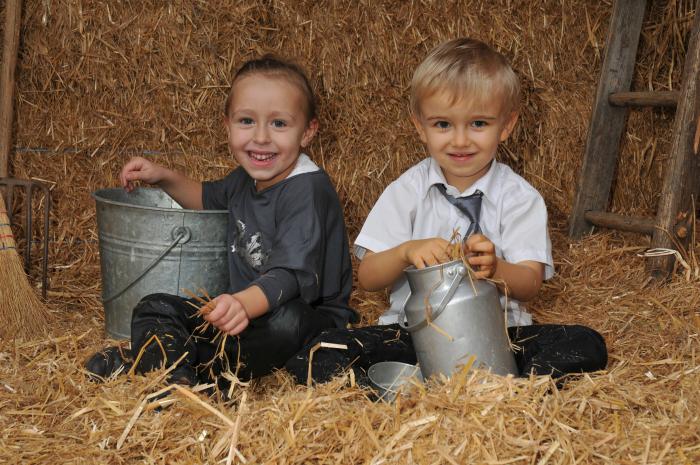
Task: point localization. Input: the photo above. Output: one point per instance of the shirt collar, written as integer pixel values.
(485, 183)
(304, 164)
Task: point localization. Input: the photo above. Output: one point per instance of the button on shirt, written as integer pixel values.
(513, 217)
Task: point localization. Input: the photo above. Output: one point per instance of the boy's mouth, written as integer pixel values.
(261, 158)
(461, 156)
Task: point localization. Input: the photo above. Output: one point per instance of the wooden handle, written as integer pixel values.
(7, 240)
(13, 18)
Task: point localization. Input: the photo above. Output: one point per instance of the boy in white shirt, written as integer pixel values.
(464, 103)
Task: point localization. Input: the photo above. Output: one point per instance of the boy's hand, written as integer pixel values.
(140, 169)
(482, 255)
(228, 315)
(426, 252)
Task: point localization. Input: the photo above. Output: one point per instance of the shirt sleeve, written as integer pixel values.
(524, 232)
(298, 248)
(279, 286)
(390, 222)
(216, 194)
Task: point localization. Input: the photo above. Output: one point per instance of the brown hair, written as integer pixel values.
(271, 65)
(466, 67)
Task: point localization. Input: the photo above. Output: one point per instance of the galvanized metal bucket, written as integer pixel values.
(467, 318)
(149, 244)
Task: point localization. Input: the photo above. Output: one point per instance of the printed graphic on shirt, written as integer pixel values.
(249, 247)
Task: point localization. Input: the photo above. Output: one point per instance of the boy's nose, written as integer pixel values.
(460, 137)
(261, 135)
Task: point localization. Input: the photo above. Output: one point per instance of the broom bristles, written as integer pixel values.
(23, 313)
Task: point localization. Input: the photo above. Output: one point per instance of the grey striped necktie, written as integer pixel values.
(469, 205)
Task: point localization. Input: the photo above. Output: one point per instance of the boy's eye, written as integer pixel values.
(246, 121)
(479, 124)
(442, 124)
(279, 123)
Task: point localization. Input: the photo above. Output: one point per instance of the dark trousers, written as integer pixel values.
(558, 350)
(264, 345)
(554, 350)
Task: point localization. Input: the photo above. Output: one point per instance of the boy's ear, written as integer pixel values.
(510, 124)
(419, 127)
(309, 132)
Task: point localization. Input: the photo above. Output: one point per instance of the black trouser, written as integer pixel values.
(558, 350)
(542, 349)
(264, 345)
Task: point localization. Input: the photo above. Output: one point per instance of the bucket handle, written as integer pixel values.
(180, 235)
(460, 272)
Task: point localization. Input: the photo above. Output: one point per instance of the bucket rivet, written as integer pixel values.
(183, 232)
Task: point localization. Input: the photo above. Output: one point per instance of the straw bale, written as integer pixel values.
(100, 81)
(123, 80)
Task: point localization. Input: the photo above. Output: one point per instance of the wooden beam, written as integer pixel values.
(608, 220)
(607, 122)
(682, 171)
(667, 99)
(13, 17)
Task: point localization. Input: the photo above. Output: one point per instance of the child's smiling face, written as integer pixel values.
(462, 136)
(267, 127)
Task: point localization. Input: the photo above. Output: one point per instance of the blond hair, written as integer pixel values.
(466, 68)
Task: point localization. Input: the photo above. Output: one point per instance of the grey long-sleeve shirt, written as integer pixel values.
(288, 239)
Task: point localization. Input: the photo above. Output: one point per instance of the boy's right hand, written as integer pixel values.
(140, 169)
(426, 252)
(228, 315)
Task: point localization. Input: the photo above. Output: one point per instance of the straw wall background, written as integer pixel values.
(101, 81)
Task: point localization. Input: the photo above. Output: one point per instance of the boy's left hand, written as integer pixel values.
(482, 255)
(228, 315)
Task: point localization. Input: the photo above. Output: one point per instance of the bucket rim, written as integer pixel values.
(98, 196)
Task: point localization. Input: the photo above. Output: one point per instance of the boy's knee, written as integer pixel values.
(157, 314)
(559, 349)
(156, 304)
(597, 350)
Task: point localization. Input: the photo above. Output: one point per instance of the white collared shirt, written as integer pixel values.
(304, 165)
(513, 217)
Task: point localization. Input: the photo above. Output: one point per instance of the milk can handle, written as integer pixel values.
(461, 271)
(180, 234)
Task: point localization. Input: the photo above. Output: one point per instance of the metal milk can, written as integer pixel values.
(469, 315)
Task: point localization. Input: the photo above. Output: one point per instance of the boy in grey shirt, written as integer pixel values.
(289, 263)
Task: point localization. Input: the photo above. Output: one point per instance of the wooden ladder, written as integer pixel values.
(681, 184)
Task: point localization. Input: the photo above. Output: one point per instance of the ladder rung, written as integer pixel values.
(636, 224)
(644, 99)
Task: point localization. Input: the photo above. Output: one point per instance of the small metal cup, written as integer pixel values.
(391, 378)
